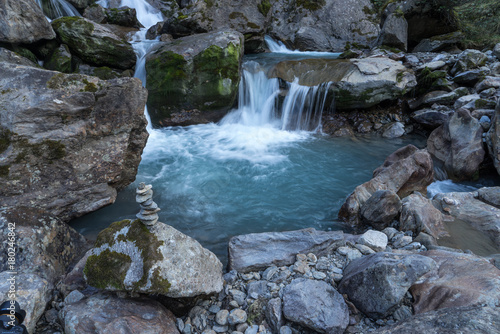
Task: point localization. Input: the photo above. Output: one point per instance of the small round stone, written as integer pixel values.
(237, 316)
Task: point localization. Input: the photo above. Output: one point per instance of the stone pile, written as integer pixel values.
(149, 209)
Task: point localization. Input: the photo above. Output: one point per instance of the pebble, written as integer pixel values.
(220, 329)
(214, 309)
(319, 275)
(252, 329)
(74, 297)
(285, 330)
(237, 316)
(269, 273)
(374, 239)
(221, 317)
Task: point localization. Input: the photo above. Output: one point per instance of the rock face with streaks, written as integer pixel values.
(68, 142)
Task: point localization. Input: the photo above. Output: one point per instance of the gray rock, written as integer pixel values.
(73, 297)
(252, 329)
(221, 317)
(198, 86)
(496, 51)
(490, 195)
(458, 280)
(381, 208)
(238, 296)
(156, 260)
(467, 60)
(469, 320)
(440, 97)
(365, 250)
(59, 60)
(488, 82)
(394, 32)
(430, 117)
(316, 305)
(394, 130)
(22, 21)
(377, 283)
(285, 330)
(433, 65)
(258, 251)
(94, 43)
(11, 57)
(464, 100)
(374, 239)
(65, 128)
(469, 78)
(237, 316)
(419, 215)
(111, 314)
(404, 171)
(493, 138)
(257, 289)
(458, 145)
(438, 43)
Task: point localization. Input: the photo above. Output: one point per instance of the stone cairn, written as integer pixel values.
(144, 196)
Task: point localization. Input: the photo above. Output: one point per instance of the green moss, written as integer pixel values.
(48, 150)
(311, 4)
(105, 73)
(256, 313)
(89, 86)
(107, 269)
(264, 6)
(182, 17)
(5, 139)
(159, 283)
(427, 79)
(26, 54)
(479, 20)
(210, 3)
(4, 171)
(106, 236)
(400, 76)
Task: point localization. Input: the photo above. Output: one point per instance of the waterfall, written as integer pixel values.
(279, 47)
(259, 102)
(54, 9)
(146, 14)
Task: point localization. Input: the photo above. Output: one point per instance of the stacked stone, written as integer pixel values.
(144, 196)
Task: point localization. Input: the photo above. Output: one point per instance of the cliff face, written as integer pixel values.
(67, 142)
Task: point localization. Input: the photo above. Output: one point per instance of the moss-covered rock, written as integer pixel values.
(59, 60)
(206, 78)
(94, 43)
(160, 260)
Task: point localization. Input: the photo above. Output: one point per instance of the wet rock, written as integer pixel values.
(458, 145)
(196, 86)
(94, 43)
(404, 171)
(316, 305)
(110, 314)
(22, 21)
(394, 130)
(74, 139)
(458, 280)
(468, 320)
(157, 259)
(377, 283)
(419, 215)
(381, 208)
(252, 251)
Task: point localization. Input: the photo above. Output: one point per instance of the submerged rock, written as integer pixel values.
(198, 73)
(158, 259)
(68, 141)
(258, 251)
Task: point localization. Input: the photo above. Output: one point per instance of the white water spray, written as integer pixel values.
(279, 47)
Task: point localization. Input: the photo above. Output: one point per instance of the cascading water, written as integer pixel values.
(54, 9)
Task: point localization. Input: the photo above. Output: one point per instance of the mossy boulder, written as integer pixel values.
(199, 72)
(59, 60)
(356, 83)
(129, 256)
(94, 43)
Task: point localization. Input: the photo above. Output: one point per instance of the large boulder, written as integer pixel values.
(474, 210)
(419, 215)
(11, 57)
(357, 83)
(377, 283)
(381, 208)
(493, 138)
(466, 320)
(325, 25)
(105, 313)
(458, 145)
(199, 73)
(94, 43)
(22, 21)
(458, 280)
(316, 305)
(128, 256)
(394, 32)
(68, 142)
(406, 170)
(257, 251)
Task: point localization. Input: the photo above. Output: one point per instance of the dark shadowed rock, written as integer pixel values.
(109, 314)
(394, 32)
(316, 305)
(404, 171)
(431, 118)
(94, 43)
(458, 280)
(458, 145)
(11, 57)
(69, 141)
(493, 138)
(438, 43)
(22, 21)
(258, 251)
(195, 79)
(465, 320)
(381, 208)
(377, 283)
(419, 215)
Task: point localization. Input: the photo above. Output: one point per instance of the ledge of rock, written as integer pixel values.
(68, 142)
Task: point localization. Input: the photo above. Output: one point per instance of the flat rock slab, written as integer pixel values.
(377, 283)
(103, 313)
(458, 280)
(464, 320)
(315, 304)
(257, 251)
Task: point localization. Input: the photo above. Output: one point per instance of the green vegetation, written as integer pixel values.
(264, 7)
(427, 79)
(49, 150)
(480, 22)
(311, 4)
(5, 139)
(107, 269)
(4, 171)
